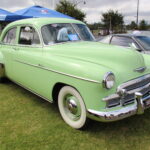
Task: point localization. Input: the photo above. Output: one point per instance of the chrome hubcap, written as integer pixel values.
(72, 107)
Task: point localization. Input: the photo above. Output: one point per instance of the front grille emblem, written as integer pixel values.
(141, 69)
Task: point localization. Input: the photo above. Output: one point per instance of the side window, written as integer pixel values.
(122, 41)
(28, 36)
(10, 36)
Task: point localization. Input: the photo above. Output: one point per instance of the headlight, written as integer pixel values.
(109, 80)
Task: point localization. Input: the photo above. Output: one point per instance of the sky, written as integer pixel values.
(92, 8)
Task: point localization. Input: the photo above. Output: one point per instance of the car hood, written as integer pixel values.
(119, 60)
(102, 54)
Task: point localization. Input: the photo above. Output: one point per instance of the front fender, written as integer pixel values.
(76, 68)
(147, 59)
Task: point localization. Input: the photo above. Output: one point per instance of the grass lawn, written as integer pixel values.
(27, 122)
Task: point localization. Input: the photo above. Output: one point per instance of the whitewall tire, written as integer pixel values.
(72, 107)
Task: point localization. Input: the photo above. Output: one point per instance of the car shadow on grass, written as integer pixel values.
(36, 100)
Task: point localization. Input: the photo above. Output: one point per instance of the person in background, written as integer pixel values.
(63, 35)
(136, 31)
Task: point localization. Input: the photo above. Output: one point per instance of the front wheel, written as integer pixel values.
(2, 72)
(72, 107)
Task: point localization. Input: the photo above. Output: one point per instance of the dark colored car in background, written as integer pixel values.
(140, 42)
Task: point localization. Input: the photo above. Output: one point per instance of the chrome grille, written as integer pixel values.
(141, 85)
(136, 83)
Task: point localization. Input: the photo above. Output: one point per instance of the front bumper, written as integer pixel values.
(138, 107)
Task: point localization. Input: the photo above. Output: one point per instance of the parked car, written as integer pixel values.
(58, 60)
(140, 42)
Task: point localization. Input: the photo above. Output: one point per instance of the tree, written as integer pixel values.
(113, 21)
(132, 25)
(143, 25)
(70, 8)
(95, 26)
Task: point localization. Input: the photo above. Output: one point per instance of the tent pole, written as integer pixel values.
(53, 1)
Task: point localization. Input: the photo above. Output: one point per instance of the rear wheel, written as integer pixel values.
(72, 107)
(2, 73)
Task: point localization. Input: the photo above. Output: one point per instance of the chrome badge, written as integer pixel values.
(141, 69)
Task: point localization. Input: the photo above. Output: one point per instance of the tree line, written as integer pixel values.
(111, 20)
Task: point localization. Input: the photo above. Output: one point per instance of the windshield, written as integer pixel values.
(144, 41)
(84, 32)
(64, 32)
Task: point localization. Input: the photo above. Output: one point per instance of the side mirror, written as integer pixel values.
(133, 46)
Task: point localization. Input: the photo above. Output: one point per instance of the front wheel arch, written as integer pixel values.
(56, 89)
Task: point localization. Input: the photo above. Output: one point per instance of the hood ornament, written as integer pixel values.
(141, 69)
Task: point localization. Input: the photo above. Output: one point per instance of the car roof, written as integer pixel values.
(125, 35)
(39, 22)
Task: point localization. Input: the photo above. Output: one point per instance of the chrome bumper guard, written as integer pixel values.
(137, 90)
(137, 108)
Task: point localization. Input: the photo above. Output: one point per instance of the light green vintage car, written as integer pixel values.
(58, 60)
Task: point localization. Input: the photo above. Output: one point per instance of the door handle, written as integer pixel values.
(40, 65)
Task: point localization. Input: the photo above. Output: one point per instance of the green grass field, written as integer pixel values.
(27, 122)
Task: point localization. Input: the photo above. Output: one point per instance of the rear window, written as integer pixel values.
(10, 37)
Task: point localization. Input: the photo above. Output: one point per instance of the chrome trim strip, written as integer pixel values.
(42, 67)
(32, 91)
(113, 96)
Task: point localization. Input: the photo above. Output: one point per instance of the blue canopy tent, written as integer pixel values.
(38, 11)
(8, 16)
